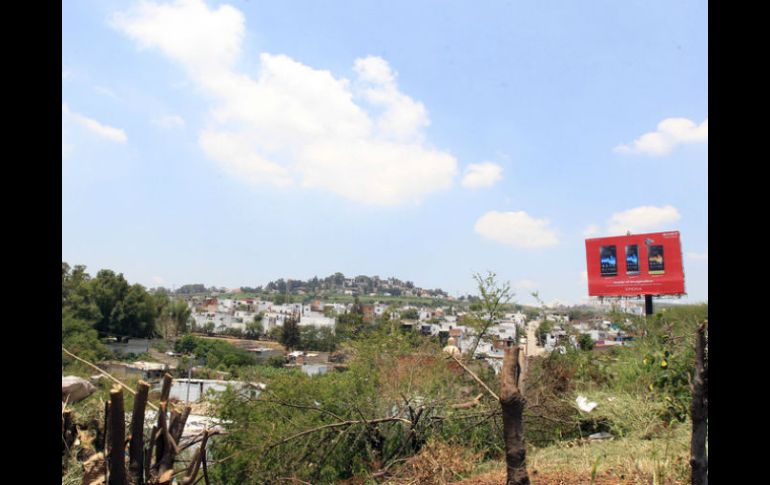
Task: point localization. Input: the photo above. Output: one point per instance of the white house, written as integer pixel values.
(316, 319)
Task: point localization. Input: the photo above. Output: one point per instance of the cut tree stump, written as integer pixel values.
(512, 402)
(699, 411)
(117, 436)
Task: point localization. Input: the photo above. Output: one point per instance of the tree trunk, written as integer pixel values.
(101, 436)
(136, 448)
(178, 428)
(67, 431)
(512, 402)
(166, 388)
(699, 412)
(117, 436)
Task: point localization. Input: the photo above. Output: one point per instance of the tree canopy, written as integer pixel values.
(109, 303)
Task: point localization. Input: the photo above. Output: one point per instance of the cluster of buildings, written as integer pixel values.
(226, 314)
(604, 334)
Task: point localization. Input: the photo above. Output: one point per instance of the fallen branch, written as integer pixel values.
(335, 425)
(299, 406)
(490, 391)
(192, 470)
(197, 439)
(467, 405)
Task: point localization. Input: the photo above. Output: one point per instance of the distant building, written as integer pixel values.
(143, 370)
(130, 346)
(368, 310)
(317, 320)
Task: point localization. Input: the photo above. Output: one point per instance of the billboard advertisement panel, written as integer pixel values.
(639, 264)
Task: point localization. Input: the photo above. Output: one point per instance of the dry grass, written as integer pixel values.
(438, 463)
(626, 461)
(553, 478)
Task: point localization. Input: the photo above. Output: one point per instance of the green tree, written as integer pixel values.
(489, 310)
(585, 342)
(80, 338)
(290, 336)
(282, 298)
(309, 337)
(329, 312)
(327, 341)
(543, 329)
(125, 310)
(65, 271)
(254, 328)
(275, 333)
(180, 314)
(349, 325)
(76, 294)
(410, 314)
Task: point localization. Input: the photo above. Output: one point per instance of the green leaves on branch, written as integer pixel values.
(494, 296)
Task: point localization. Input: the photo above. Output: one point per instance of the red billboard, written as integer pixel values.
(640, 264)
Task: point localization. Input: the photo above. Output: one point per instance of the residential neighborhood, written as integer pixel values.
(230, 316)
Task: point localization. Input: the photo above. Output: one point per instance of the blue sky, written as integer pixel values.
(232, 143)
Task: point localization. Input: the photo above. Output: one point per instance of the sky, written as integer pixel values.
(232, 143)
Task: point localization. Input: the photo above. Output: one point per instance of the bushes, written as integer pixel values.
(387, 378)
(319, 429)
(657, 365)
(80, 338)
(321, 339)
(215, 354)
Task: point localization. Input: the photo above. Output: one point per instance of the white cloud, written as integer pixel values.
(158, 280)
(704, 256)
(187, 32)
(169, 121)
(670, 133)
(484, 174)
(375, 70)
(516, 229)
(293, 124)
(104, 131)
(642, 219)
(105, 91)
(236, 154)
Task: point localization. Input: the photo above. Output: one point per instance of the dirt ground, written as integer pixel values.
(246, 343)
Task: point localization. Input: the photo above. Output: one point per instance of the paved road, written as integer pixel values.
(532, 348)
